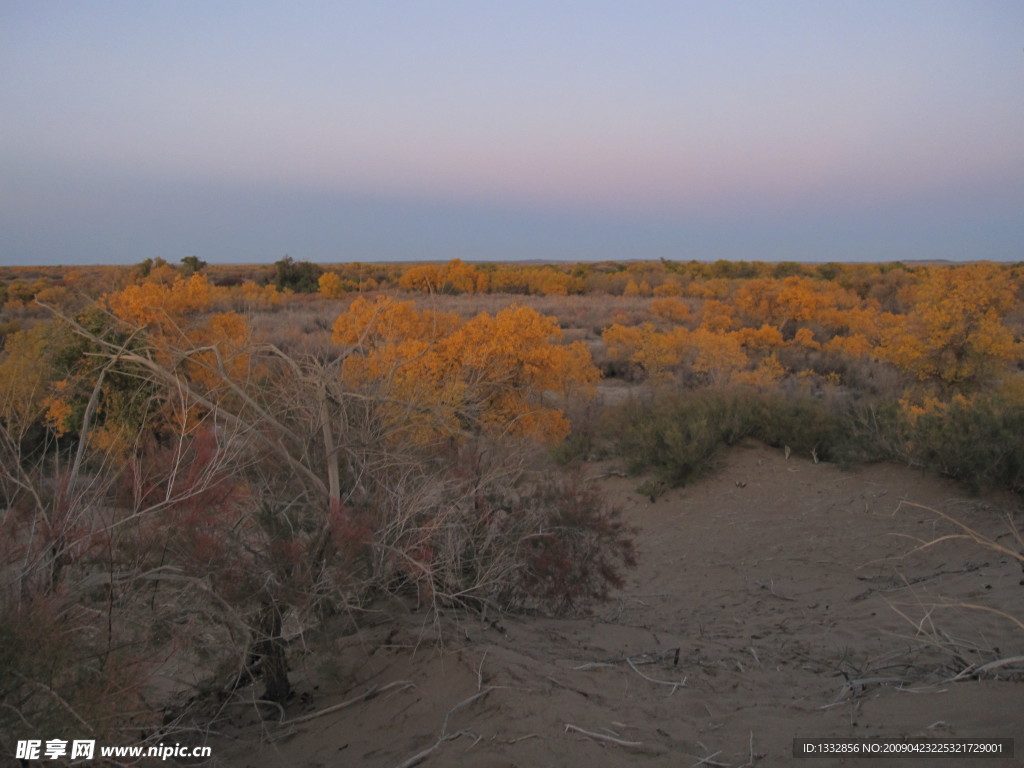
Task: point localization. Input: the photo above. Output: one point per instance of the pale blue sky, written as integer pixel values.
(339, 131)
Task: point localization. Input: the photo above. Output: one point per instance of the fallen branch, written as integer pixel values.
(856, 687)
(652, 657)
(568, 687)
(420, 756)
(969, 568)
(976, 671)
(680, 684)
(445, 736)
(708, 761)
(641, 658)
(569, 727)
(480, 673)
(524, 738)
(594, 665)
(370, 694)
(750, 762)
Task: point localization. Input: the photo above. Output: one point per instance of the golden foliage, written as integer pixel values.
(545, 281)
(804, 337)
(777, 302)
(26, 373)
(951, 327)
(425, 278)
(672, 309)
(716, 355)
(656, 353)
(489, 373)
(766, 337)
(633, 288)
(58, 410)
(767, 372)
(454, 277)
(717, 316)
(463, 278)
(220, 345)
(856, 346)
(331, 285)
(955, 331)
(161, 304)
(211, 350)
(671, 287)
(373, 325)
(261, 296)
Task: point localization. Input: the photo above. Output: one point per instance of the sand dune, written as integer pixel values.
(766, 606)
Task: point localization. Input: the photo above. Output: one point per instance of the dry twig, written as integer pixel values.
(445, 736)
(569, 727)
(977, 671)
(370, 694)
(708, 761)
(675, 685)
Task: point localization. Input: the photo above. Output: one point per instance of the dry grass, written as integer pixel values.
(928, 626)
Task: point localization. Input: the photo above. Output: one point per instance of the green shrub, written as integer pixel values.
(843, 430)
(980, 442)
(679, 436)
(298, 276)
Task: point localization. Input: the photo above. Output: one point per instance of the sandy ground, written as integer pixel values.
(773, 600)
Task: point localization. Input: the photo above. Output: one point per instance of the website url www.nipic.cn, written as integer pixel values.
(85, 749)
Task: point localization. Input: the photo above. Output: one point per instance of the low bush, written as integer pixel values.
(483, 526)
(978, 442)
(678, 436)
(578, 550)
(841, 429)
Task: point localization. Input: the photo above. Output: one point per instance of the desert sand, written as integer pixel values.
(777, 598)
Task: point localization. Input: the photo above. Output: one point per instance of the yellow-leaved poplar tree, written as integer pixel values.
(490, 373)
(955, 331)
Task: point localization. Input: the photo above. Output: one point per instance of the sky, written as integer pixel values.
(538, 129)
